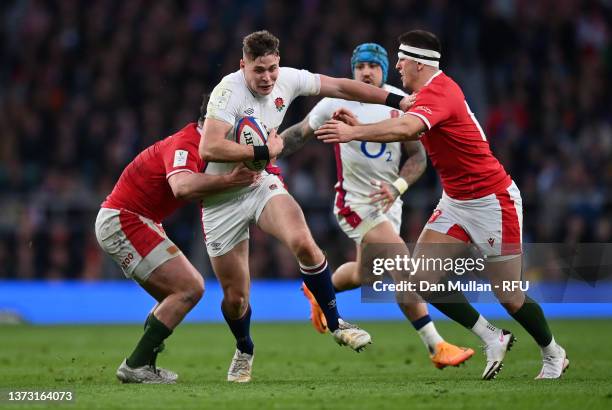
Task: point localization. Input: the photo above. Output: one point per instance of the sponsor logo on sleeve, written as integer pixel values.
(221, 98)
(424, 109)
(180, 158)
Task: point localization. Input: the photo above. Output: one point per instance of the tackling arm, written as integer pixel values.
(405, 128)
(188, 186)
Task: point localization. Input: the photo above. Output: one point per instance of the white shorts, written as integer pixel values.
(493, 223)
(357, 220)
(226, 223)
(136, 243)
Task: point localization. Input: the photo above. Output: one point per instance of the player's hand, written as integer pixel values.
(334, 131)
(407, 102)
(346, 116)
(275, 144)
(384, 195)
(242, 176)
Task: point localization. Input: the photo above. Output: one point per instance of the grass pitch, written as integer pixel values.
(297, 368)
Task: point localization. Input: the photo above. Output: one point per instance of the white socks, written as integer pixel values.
(485, 330)
(430, 336)
(551, 350)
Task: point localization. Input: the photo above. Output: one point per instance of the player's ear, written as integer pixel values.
(242, 63)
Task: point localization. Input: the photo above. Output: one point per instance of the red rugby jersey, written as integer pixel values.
(455, 141)
(143, 186)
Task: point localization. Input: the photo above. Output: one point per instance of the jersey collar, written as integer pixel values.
(437, 73)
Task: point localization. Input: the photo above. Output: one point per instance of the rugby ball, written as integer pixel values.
(250, 131)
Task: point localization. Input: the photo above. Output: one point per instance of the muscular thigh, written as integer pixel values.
(283, 218)
(173, 276)
(232, 269)
(226, 222)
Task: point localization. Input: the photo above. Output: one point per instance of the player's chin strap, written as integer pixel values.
(420, 55)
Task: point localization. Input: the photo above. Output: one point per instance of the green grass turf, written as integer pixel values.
(298, 368)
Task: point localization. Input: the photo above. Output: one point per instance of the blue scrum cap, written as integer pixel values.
(371, 53)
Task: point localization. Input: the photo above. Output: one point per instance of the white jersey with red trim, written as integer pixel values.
(232, 99)
(359, 162)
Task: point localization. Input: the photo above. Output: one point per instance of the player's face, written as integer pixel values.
(261, 73)
(369, 73)
(408, 70)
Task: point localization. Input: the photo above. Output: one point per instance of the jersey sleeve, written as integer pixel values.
(224, 102)
(321, 112)
(180, 156)
(431, 106)
(303, 81)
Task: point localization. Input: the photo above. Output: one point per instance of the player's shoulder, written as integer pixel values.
(443, 84)
(393, 89)
(290, 75)
(186, 136)
(237, 77)
(327, 105)
(231, 83)
(290, 71)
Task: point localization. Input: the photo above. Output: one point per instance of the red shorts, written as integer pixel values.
(493, 223)
(136, 243)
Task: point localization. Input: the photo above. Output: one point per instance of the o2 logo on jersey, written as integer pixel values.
(381, 150)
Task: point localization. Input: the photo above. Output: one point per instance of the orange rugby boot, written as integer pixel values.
(316, 314)
(448, 354)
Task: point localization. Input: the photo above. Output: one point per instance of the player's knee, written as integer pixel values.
(512, 306)
(198, 289)
(192, 291)
(305, 248)
(236, 301)
(355, 277)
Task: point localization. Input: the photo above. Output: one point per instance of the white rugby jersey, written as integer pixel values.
(358, 162)
(231, 99)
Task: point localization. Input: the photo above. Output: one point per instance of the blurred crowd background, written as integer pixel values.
(85, 85)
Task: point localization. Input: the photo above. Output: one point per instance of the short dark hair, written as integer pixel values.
(260, 44)
(421, 39)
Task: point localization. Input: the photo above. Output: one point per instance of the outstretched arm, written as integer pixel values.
(405, 128)
(358, 91)
(295, 137)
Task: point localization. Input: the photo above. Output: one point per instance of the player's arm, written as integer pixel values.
(295, 137)
(412, 170)
(189, 185)
(215, 148)
(358, 91)
(416, 163)
(405, 128)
